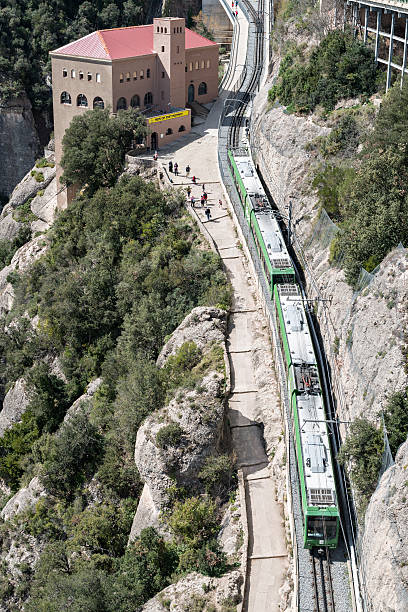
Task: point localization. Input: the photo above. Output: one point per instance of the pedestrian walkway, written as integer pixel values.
(267, 554)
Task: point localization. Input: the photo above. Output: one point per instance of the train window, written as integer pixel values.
(321, 528)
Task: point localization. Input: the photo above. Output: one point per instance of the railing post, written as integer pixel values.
(404, 61)
(377, 35)
(390, 50)
(366, 11)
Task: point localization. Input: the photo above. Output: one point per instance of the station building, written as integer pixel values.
(157, 68)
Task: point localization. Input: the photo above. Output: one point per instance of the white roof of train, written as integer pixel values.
(318, 469)
(274, 242)
(248, 174)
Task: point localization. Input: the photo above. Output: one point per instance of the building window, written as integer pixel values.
(64, 72)
(202, 89)
(142, 74)
(197, 65)
(185, 68)
(81, 100)
(208, 64)
(89, 76)
(162, 48)
(128, 76)
(98, 77)
(182, 128)
(148, 73)
(191, 66)
(135, 101)
(202, 64)
(135, 76)
(121, 104)
(121, 77)
(169, 132)
(163, 75)
(81, 75)
(73, 75)
(165, 30)
(178, 48)
(148, 99)
(161, 30)
(98, 103)
(158, 29)
(65, 98)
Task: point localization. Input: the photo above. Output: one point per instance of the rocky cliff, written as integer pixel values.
(362, 331)
(19, 143)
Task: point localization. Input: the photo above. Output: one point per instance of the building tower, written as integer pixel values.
(169, 42)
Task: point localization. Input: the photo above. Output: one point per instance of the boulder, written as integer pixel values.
(29, 186)
(23, 499)
(14, 405)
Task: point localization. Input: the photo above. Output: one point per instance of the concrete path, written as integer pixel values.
(267, 554)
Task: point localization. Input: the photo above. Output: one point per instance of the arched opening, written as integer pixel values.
(65, 98)
(121, 104)
(81, 100)
(135, 101)
(169, 131)
(182, 128)
(148, 73)
(98, 103)
(202, 89)
(81, 75)
(191, 93)
(153, 141)
(128, 76)
(148, 99)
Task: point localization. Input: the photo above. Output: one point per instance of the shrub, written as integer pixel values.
(362, 453)
(194, 521)
(396, 419)
(217, 473)
(169, 435)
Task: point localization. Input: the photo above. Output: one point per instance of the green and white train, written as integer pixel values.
(314, 460)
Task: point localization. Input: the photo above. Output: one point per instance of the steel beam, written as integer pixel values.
(365, 24)
(404, 61)
(377, 35)
(390, 51)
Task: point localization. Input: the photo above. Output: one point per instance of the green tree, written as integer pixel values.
(194, 521)
(396, 419)
(94, 147)
(361, 453)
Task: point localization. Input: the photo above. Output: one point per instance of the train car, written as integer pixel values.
(314, 460)
(265, 229)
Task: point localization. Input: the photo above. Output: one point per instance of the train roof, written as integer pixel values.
(273, 239)
(317, 463)
(296, 326)
(249, 175)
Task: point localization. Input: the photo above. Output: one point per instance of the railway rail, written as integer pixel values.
(322, 580)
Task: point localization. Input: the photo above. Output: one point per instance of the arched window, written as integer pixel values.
(64, 72)
(121, 104)
(73, 74)
(135, 76)
(202, 64)
(182, 128)
(121, 77)
(169, 131)
(202, 89)
(89, 76)
(148, 99)
(208, 63)
(135, 101)
(191, 66)
(196, 65)
(98, 77)
(98, 103)
(148, 73)
(65, 98)
(128, 76)
(158, 29)
(165, 30)
(81, 75)
(142, 74)
(81, 100)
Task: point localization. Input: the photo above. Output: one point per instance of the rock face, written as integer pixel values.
(23, 499)
(83, 402)
(14, 405)
(197, 592)
(199, 412)
(19, 144)
(362, 331)
(385, 539)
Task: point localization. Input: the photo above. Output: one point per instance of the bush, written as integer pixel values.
(217, 473)
(339, 67)
(362, 454)
(169, 435)
(396, 419)
(194, 521)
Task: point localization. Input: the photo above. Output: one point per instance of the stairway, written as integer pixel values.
(197, 109)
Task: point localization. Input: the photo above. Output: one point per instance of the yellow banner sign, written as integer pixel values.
(166, 117)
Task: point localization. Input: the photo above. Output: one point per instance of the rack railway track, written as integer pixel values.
(322, 580)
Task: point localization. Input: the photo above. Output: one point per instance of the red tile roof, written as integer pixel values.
(120, 43)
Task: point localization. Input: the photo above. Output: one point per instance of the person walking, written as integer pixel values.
(187, 170)
(202, 201)
(170, 166)
(188, 191)
(194, 180)
(176, 169)
(192, 200)
(205, 196)
(155, 156)
(220, 203)
(208, 213)
(203, 187)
